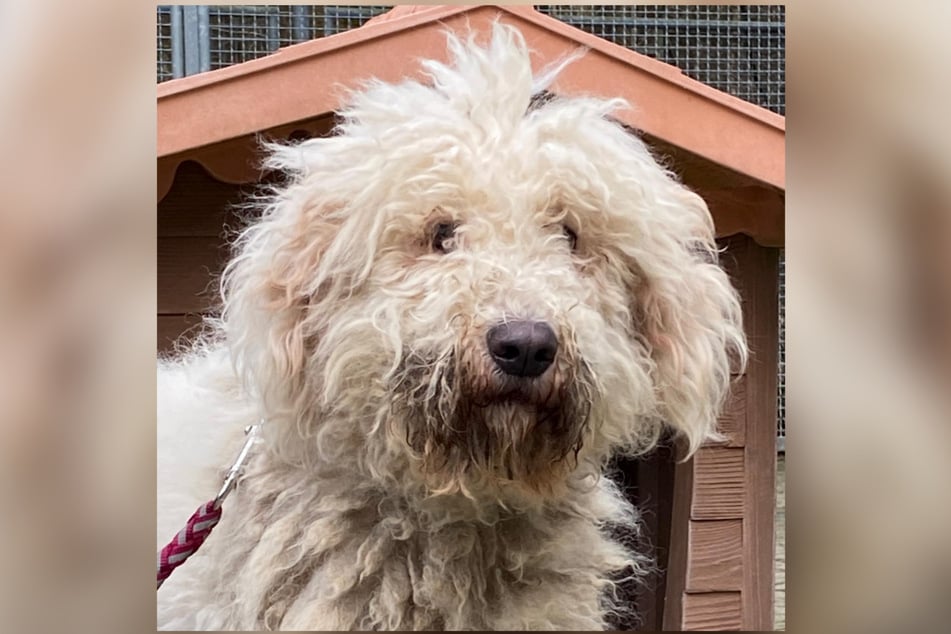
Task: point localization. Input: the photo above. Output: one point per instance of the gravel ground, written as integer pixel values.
(780, 609)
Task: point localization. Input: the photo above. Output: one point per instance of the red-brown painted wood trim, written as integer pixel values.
(761, 286)
(713, 611)
(719, 477)
(716, 556)
(309, 79)
(679, 546)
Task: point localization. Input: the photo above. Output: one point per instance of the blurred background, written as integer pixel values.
(867, 213)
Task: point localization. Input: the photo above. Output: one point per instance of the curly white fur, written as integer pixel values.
(396, 487)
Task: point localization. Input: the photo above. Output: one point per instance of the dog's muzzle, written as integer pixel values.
(522, 348)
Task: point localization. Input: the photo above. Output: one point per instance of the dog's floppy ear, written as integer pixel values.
(690, 315)
(268, 291)
(272, 290)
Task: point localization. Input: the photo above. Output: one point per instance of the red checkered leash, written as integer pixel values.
(200, 524)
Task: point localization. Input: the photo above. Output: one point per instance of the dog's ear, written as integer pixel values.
(267, 291)
(271, 291)
(690, 316)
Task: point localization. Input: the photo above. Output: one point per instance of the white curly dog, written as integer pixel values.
(451, 316)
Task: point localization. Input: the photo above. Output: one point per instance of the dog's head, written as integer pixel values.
(491, 289)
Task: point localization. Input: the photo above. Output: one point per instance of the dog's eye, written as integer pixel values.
(444, 234)
(572, 236)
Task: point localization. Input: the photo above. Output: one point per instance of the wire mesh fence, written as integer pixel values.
(163, 22)
(739, 49)
(239, 33)
(216, 36)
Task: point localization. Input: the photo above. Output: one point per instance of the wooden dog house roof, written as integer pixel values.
(731, 151)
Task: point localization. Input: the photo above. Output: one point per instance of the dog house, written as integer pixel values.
(710, 520)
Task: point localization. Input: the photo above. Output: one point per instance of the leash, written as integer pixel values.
(202, 521)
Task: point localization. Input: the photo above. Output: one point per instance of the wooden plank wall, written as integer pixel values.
(195, 215)
(192, 220)
(760, 287)
(654, 498)
(720, 570)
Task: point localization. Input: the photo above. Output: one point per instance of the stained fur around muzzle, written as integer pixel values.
(471, 428)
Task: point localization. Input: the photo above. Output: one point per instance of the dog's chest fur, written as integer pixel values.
(289, 555)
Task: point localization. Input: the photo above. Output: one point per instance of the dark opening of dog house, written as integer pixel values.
(516, 299)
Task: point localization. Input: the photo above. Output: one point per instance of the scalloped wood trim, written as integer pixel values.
(236, 161)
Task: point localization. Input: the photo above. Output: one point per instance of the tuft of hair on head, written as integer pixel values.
(494, 79)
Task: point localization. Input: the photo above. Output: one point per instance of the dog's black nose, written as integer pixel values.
(522, 348)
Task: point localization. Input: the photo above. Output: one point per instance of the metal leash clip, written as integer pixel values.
(231, 478)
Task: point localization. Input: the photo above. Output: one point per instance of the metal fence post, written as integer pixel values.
(273, 32)
(178, 42)
(204, 39)
(197, 44)
(299, 23)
